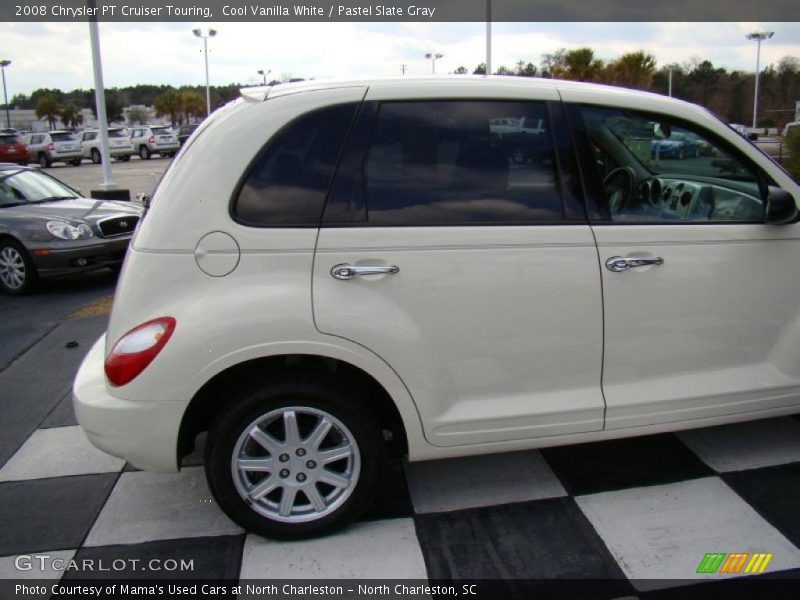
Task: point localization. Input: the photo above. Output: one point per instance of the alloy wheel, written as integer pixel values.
(295, 464)
(12, 268)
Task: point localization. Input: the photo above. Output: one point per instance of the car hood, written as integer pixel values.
(83, 209)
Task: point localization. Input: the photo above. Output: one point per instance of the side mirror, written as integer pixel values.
(781, 207)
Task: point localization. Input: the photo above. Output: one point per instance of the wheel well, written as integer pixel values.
(207, 404)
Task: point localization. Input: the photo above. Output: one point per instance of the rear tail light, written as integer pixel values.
(51, 147)
(152, 139)
(137, 349)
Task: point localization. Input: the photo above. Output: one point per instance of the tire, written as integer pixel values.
(77, 162)
(353, 431)
(144, 152)
(17, 271)
(44, 162)
(96, 158)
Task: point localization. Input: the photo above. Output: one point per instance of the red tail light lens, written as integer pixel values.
(50, 147)
(152, 139)
(137, 349)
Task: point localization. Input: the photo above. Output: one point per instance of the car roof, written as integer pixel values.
(600, 91)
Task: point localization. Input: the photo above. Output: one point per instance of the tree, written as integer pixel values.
(47, 108)
(581, 65)
(632, 70)
(168, 103)
(192, 104)
(503, 70)
(526, 70)
(461, 71)
(553, 64)
(113, 106)
(71, 116)
(480, 69)
(136, 116)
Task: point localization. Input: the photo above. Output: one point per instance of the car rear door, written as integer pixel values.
(474, 277)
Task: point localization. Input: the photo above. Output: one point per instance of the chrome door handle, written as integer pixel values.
(618, 264)
(346, 271)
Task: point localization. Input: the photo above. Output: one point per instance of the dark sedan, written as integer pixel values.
(47, 229)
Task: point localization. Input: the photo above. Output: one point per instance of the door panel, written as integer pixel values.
(707, 332)
(496, 331)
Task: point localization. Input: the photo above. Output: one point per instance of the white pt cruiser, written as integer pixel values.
(334, 272)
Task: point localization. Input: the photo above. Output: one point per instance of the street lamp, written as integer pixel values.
(205, 34)
(758, 36)
(432, 57)
(3, 65)
(264, 74)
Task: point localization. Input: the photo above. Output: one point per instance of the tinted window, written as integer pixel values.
(657, 169)
(461, 162)
(116, 133)
(10, 139)
(63, 137)
(288, 181)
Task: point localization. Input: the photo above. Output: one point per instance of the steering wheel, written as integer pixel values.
(619, 186)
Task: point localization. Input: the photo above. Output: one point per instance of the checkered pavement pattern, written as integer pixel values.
(639, 513)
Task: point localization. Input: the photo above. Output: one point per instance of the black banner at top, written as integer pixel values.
(399, 10)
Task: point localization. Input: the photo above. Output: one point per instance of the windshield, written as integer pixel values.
(10, 139)
(29, 187)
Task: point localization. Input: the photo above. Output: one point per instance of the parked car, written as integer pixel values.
(678, 145)
(54, 146)
(185, 131)
(740, 129)
(119, 144)
(458, 306)
(47, 229)
(148, 140)
(13, 149)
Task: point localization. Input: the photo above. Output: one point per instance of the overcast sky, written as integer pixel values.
(57, 55)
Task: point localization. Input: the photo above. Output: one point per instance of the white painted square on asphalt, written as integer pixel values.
(458, 483)
(746, 445)
(664, 531)
(144, 507)
(35, 565)
(58, 452)
(370, 550)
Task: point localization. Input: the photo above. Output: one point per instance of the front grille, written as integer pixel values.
(116, 226)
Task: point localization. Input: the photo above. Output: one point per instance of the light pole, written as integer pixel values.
(432, 57)
(670, 82)
(205, 34)
(3, 65)
(758, 36)
(264, 74)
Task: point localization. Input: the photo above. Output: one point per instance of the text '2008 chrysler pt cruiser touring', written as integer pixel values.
(332, 272)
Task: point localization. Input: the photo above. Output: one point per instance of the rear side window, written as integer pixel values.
(287, 183)
(10, 139)
(461, 162)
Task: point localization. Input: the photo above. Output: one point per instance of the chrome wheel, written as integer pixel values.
(295, 464)
(12, 268)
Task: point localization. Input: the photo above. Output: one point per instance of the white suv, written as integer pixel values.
(332, 272)
(54, 146)
(119, 144)
(155, 139)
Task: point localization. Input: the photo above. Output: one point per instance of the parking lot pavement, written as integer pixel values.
(136, 175)
(638, 514)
